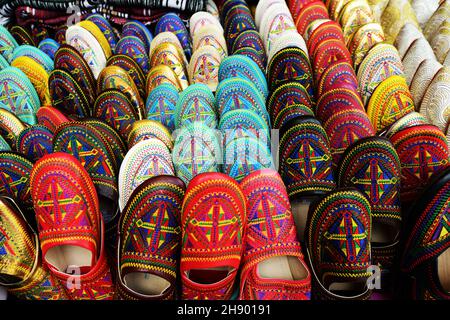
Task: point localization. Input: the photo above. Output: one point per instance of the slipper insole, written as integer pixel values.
(208, 276)
(61, 257)
(383, 233)
(284, 267)
(300, 210)
(347, 289)
(145, 283)
(443, 265)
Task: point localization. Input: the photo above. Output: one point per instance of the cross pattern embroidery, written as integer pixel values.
(307, 159)
(267, 217)
(423, 160)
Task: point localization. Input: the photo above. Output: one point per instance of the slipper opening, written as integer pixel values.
(108, 208)
(300, 210)
(443, 268)
(146, 283)
(348, 289)
(65, 256)
(282, 267)
(384, 233)
(209, 275)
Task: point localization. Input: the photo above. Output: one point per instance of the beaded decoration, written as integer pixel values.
(161, 105)
(34, 142)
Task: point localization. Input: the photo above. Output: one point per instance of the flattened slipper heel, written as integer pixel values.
(337, 240)
(21, 270)
(213, 223)
(273, 265)
(149, 242)
(426, 258)
(71, 227)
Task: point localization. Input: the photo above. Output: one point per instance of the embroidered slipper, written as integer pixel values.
(146, 159)
(434, 103)
(132, 67)
(274, 23)
(111, 136)
(327, 30)
(337, 100)
(22, 35)
(3, 63)
(337, 74)
(290, 64)
(211, 35)
(353, 16)
(288, 39)
(422, 79)
(21, 268)
(425, 258)
(238, 22)
(171, 22)
(139, 30)
(34, 142)
(337, 240)
(145, 129)
(200, 20)
(305, 165)
(410, 120)
(238, 93)
(67, 58)
(287, 94)
(169, 55)
(242, 156)
(67, 212)
(407, 35)
(114, 107)
(88, 145)
(363, 40)
(243, 123)
(49, 47)
(195, 103)
(197, 149)
(18, 95)
(7, 43)
(105, 27)
(161, 74)
(37, 75)
(67, 95)
(10, 126)
(423, 152)
(167, 37)
(250, 39)
(14, 179)
(380, 63)
(327, 53)
(204, 67)
(50, 118)
(212, 224)
(273, 265)
(372, 166)
(161, 105)
(243, 67)
(133, 47)
(390, 101)
(312, 11)
(88, 45)
(34, 53)
(114, 77)
(150, 237)
(419, 51)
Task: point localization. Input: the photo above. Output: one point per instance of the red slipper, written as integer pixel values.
(273, 265)
(213, 222)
